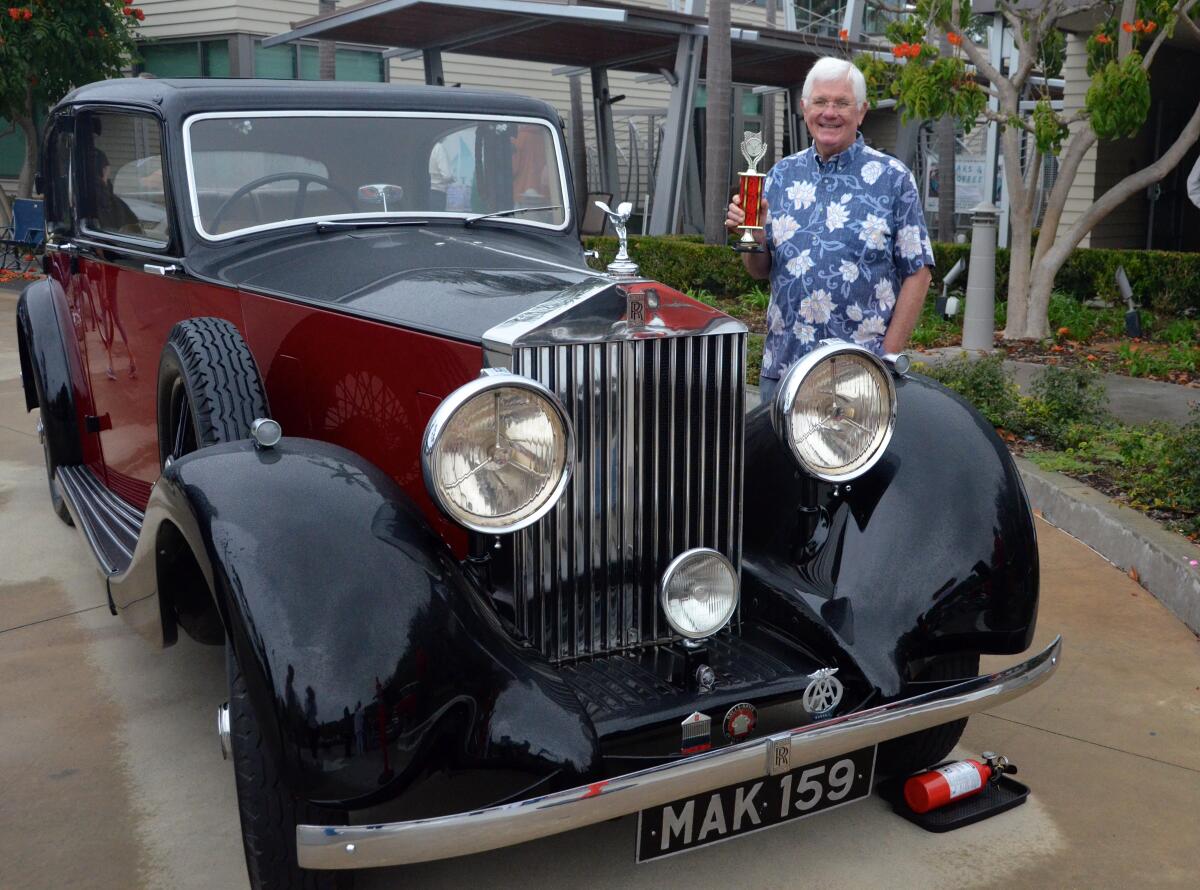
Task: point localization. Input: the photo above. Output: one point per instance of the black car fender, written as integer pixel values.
(370, 658)
(46, 368)
(932, 551)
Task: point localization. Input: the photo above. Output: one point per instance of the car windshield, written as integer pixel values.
(262, 170)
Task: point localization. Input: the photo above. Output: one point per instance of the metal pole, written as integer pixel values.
(432, 59)
(979, 318)
(668, 180)
(606, 137)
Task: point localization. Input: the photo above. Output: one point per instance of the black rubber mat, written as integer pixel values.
(995, 798)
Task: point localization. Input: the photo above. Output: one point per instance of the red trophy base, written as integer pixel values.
(750, 194)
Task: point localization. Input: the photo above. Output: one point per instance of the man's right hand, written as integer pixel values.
(736, 216)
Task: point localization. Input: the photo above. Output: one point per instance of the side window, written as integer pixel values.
(122, 175)
(60, 196)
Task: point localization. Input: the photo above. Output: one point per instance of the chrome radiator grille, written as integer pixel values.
(658, 470)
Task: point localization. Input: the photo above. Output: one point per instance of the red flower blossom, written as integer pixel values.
(1127, 27)
(900, 50)
(127, 10)
(1104, 39)
(955, 39)
(1151, 27)
(843, 34)
(27, 14)
(14, 13)
(139, 15)
(914, 50)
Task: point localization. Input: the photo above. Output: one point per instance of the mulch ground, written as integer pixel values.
(1102, 354)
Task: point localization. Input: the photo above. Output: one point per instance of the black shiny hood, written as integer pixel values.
(449, 280)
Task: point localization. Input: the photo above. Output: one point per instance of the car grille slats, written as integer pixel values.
(658, 470)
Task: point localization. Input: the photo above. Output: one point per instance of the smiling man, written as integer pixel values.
(848, 254)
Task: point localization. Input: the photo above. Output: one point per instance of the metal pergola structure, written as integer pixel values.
(593, 38)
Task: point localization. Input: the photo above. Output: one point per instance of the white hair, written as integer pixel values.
(831, 68)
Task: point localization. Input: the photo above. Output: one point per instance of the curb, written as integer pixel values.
(1132, 542)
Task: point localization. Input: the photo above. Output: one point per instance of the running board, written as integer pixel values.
(110, 525)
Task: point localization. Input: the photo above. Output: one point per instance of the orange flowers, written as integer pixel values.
(906, 50)
(954, 38)
(1103, 39)
(1141, 26)
(843, 34)
(14, 13)
(1063, 331)
(133, 11)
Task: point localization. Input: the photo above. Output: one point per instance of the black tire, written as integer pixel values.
(57, 502)
(269, 812)
(209, 388)
(909, 753)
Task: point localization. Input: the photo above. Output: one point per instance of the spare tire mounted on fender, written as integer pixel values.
(209, 388)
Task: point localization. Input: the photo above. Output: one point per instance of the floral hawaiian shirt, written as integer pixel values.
(843, 236)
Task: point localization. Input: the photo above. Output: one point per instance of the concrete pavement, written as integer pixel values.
(112, 777)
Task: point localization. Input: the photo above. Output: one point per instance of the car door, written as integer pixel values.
(126, 296)
(62, 267)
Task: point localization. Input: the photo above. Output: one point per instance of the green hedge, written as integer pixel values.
(1161, 280)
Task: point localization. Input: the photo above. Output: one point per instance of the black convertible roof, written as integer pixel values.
(179, 98)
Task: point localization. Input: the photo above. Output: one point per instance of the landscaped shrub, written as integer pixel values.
(1068, 398)
(1165, 281)
(986, 384)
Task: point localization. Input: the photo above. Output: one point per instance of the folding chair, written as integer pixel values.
(25, 237)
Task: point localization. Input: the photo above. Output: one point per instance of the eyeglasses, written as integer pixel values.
(839, 105)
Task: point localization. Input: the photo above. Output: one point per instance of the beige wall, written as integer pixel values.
(1083, 191)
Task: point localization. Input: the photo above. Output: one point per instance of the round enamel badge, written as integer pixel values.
(740, 721)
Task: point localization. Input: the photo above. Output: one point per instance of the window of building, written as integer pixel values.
(302, 62)
(192, 58)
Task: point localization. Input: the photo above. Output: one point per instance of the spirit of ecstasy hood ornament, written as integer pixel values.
(621, 266)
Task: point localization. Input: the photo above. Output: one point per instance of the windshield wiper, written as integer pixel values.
(470, 220)
(325, 225)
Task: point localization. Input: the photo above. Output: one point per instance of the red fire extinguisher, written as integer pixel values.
(954, 781)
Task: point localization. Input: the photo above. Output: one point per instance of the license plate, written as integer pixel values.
(734, 810)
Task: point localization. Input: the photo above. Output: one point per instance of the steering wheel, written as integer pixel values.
(304, 180)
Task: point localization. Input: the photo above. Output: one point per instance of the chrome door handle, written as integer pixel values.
(63, 246)
(154, 269)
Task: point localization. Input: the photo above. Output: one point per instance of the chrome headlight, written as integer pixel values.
(836, 410)
(497, 453)
(699, 592)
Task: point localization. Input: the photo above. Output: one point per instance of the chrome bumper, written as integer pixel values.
(422, 840)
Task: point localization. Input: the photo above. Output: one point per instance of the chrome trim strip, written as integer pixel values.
(424, 840)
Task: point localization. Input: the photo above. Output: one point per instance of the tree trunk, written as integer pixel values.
(768, 106)
(946, 130)
(578, 146)
(29, 131)
(327, 49)
(719, 86)
(1019, 220)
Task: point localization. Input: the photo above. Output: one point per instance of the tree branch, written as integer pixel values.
(1126, 188)
(1180, 12)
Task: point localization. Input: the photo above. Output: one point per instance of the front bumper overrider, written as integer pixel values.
(422, 840)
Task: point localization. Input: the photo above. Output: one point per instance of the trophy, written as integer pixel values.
(750, 191)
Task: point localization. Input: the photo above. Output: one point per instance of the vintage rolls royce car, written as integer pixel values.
(497, 546)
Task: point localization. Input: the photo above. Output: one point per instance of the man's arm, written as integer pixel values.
(907, 310)
(758, 265)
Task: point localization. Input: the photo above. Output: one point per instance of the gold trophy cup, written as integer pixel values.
(750, 191)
